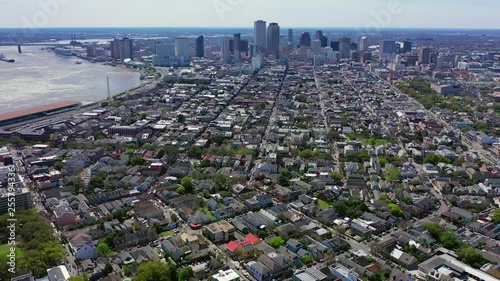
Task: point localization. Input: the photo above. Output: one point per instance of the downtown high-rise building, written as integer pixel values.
(305, 39)
(200, 46)
(335, 46)
(122, 49)
(182, 47)
(424, 55)
(344, 48)
(407, 46)
(226, 50)
(260, 36)
(290, 37)
(273, 39)
(318, 35)
(363, 43)
(236, 47)
(388, 47)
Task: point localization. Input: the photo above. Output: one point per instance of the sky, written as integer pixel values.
(481, 14)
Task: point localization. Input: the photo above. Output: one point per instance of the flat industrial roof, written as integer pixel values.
(38, 109)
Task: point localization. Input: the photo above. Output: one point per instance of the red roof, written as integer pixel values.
(38, 109)
(232, 246)
(252, 239)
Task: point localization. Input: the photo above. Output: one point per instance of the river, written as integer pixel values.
(39, 77)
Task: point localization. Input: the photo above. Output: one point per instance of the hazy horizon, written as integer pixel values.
(370, 14)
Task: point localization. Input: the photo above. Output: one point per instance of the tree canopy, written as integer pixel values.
(155, 271)
(276, 242)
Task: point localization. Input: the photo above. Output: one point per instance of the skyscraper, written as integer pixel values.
(424, 55)
(182, 47)
(237, 46)
(305, 39)
(127, 49)
(407, 46)
(363, 43)
(226, 50)
(388, 47)
(344, 48)
(122, 49)
(273, 39)
(290, 36)
(260, 34)
(200, 46)
(324, 41)
(318, 35)
(335, 45)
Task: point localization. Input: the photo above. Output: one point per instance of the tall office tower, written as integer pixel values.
(363, 43)
(126, 49)
(91, 51)
(290, 37)
(407, 46)
(226, 50)
(305, 39)
(273, 39)
(200, 46)
(115, 48)
(182, 47)
(318, 35)
(236, 47)
(244, 47)
(354, 46)
(388, 47)
(324, 41)
(335, 45)
(260, 34)
(344, 48)
(424, 55)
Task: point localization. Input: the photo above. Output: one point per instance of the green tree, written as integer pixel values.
(435, 159)
(495, 216)
(434, 229)
(181, 119)
(449, 240)
(276, 242)
(103, 249)
(337, 177)
(307, 259)
(181, 190)
(137, 160)
(396, 210)
(470, 256)
(187, 182)
(221, 182)
(174, 217)
(153, 271)
(76, 278)
(382, 161)
(334, 135)
(186, 273)
(306, 154)
(392, 175)
(284, 177)
(195, 152)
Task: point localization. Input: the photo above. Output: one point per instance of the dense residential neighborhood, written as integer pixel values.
(293, 170)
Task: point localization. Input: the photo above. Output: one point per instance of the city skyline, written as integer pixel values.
(371, 15)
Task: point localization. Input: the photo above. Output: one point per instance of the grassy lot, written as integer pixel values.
(374, 141)
(324, 204)
(5, 250)
(209, 214)
(167, 233)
